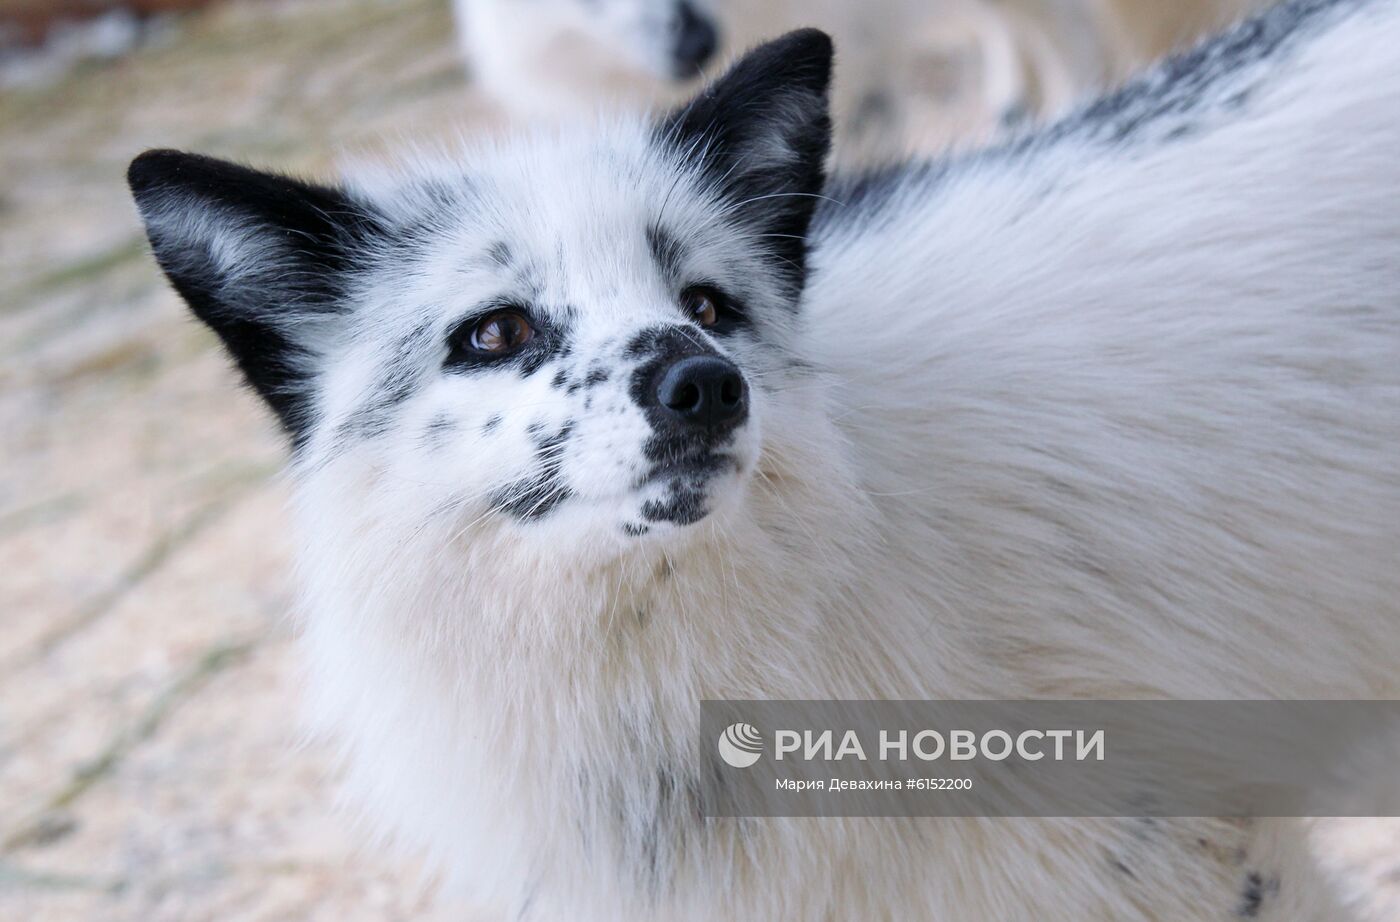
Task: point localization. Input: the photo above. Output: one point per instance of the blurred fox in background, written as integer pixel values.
(913, 74)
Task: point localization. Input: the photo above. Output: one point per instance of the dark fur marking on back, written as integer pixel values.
(1175, 98)
(1182, 84)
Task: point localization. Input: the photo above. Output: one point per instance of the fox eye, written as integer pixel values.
(701, 305)
(501, 333)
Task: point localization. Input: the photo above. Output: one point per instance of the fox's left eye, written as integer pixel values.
(701, 305)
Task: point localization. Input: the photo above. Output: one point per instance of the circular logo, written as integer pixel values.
(740, 745)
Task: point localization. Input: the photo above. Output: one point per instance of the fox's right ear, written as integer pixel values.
(264, 260)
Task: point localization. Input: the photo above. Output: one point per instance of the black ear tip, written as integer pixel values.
(802, 57)
(809, 43)
(810, 47)
(155, 167)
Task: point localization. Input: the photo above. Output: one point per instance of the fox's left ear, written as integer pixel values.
(762, 133)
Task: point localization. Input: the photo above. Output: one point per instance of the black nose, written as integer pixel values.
(703, 391)
(695, 42)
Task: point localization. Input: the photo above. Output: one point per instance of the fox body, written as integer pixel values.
(591, 426)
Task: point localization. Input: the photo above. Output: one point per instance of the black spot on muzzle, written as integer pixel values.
(541, 493)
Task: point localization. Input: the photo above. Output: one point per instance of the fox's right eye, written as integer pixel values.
(499, 333)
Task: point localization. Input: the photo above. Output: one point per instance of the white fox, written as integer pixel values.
(589, 427)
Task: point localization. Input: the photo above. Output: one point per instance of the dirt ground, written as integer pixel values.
(149, 764)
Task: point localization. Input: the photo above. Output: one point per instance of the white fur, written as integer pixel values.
(1088, 418)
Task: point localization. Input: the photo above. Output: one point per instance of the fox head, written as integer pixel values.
(587, 341)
